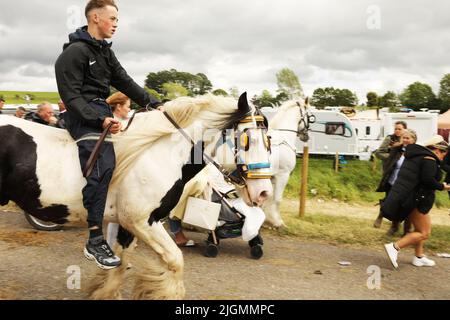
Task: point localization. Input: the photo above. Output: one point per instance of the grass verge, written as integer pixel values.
(352, 231)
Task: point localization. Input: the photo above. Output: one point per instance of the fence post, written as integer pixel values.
(304, 180)
(336, 162)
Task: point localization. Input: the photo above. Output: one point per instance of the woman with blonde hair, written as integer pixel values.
(413, 195)
(120, 105)
(391, 168)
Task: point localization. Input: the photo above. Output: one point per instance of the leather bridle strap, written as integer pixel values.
(94, 154)
(208, 159)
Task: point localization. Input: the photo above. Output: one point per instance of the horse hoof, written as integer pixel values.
(256, 251)
(211, 250)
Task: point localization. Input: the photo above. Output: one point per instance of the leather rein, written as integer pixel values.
(239, 181)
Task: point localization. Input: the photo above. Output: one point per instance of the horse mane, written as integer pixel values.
(277, 121)
(146, 128)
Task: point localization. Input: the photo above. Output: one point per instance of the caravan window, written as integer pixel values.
(335, 128)
(367, 131)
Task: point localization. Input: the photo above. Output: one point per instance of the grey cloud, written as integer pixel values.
(247, 42)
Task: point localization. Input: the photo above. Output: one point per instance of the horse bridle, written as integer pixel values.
(241, 141)
(309, 120)
(229, 177)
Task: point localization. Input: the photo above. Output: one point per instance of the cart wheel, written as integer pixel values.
(256, 251)
(211, 250)
(42, 225)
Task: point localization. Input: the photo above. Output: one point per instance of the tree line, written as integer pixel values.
(416, 96)
(171, 84)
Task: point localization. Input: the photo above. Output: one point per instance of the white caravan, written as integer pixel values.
(360, 135)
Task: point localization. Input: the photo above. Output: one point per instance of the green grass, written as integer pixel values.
(356, 181)
(352, 231)
(17, 97)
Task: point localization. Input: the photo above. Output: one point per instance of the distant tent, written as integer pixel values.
(444, 125)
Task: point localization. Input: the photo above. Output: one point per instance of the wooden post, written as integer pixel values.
(374, 165)
(304, 179)
(336, 163)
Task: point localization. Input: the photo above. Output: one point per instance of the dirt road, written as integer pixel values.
(34, 266)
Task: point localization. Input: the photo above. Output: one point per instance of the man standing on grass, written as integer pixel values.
(84, 73)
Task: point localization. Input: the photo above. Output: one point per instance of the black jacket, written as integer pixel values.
(416, 183)
(446, 167)
(85, 70)
(389, 166)
(33, 116)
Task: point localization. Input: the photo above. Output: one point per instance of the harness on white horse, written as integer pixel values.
(305, 119)
(243, 171)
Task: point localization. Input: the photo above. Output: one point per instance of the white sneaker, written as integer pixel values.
(392, 254)
(423, 262)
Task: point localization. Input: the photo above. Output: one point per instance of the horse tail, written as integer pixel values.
(156, 281)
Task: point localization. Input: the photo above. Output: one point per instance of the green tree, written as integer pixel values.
(344, 97)
(202, 85)
(264, 100)
(372, 99)
(174, 90)
(444, 92)
(391, 101)
(220, 92)
(196, 84)
(289, 84)
(418, 95)
(323, 97)
(153, 93)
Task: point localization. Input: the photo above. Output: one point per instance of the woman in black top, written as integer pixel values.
(391, 168)
(413, 195)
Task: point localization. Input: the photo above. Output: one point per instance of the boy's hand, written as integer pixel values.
(115, 128)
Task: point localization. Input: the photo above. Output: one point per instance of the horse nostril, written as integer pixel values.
(264, 195)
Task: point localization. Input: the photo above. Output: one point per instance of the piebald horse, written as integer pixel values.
(41, 173)
(290, 123)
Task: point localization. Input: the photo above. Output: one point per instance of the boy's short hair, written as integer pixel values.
(97, 4)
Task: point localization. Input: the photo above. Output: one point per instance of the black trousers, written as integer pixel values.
(96, 189)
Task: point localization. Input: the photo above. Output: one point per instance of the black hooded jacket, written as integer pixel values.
(416, 183)
(85, 70)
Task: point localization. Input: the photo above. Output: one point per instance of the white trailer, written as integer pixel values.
(424, 123)
(334, 132)
(331, 133)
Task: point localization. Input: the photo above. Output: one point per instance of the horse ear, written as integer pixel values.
(243, 103)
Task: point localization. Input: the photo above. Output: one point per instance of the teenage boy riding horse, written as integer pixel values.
(85, 70)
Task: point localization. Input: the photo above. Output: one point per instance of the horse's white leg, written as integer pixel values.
(163, 278)
(269, 207)
(281, 182)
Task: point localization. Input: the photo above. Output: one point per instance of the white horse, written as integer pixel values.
(291, 122)
(40, 172)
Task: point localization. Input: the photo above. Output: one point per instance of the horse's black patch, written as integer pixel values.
(124, 237)
(189, 170)
(18, 179)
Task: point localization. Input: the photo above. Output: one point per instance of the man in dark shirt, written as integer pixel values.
(85, 71)
(44, 115)
(2, 103)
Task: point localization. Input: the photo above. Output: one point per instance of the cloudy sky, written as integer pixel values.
(362, 45)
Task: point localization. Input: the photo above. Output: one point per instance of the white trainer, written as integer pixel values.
(423, 262)
(392, 254)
